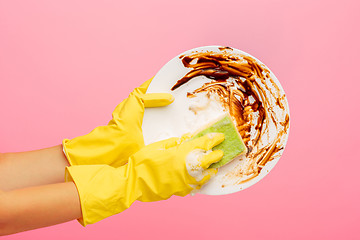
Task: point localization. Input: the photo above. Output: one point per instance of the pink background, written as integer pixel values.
(65, 65)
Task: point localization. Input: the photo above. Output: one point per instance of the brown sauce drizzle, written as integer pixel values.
(242, 85)
(225, 48)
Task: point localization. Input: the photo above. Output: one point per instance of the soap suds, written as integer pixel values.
(205, 109)
(194, 168)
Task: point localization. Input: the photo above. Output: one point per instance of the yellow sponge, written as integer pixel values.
(233, 144)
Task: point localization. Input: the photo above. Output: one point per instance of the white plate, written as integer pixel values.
(171, 121)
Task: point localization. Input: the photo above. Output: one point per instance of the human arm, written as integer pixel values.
(155, 173)
(37, 207)
(32, 168)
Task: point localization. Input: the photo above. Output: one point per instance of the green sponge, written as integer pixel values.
(233, 144)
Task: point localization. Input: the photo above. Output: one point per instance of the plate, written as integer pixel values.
(225, 80)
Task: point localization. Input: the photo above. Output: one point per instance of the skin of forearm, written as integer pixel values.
(32, 168)
(37, 207)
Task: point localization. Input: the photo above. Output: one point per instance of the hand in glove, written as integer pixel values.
(114, 143)
(175, 166)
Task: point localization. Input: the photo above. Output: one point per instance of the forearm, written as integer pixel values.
(37, 207)
(32, 168)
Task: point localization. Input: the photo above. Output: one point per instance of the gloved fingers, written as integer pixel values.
(211, 158)
(185, 137)
(157, 99)
(208, 174)
(164, 144)
(139, 91)
(208, 141)
(134, 105)
(211, 171)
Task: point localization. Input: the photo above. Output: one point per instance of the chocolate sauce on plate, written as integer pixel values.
(246, 90)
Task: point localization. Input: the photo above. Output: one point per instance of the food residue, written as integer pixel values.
(246, 89)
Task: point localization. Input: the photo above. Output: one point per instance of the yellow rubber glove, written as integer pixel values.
(156, 172)
(114, 143)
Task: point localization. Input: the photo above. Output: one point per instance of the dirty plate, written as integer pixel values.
(267, 114)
